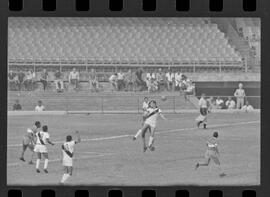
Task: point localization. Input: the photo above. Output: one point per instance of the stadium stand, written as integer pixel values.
(160, 40)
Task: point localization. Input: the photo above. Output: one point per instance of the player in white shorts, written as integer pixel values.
(42, 139)
(153, 113)
(68, 152)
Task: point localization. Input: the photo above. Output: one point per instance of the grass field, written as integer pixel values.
(108, 156)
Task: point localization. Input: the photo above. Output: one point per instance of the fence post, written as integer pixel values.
(174, 104)
(138, 104)
(102, 100)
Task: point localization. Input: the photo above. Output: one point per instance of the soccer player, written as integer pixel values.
(29, 140)
(153, 112)
(144, 108)
(202, 118)
(43, 138)
(212, 153)
(68, 152)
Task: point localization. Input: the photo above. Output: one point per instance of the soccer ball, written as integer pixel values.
(163, 98)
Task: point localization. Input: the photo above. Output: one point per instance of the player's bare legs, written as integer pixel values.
(144, 129)
(67, 173)
(205, 163)
(46, 161)
(151, 139)
(140, 131)
(38, 162)
(24, 147)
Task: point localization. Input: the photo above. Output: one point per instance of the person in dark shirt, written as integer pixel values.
(17, 106)
(59, 81)
(139, 81)
(44, 79)
(12, 80)
(21, 78)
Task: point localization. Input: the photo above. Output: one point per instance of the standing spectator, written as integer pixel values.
(120, 81)
(17, 106)
(230, 104)
(152, 85)
(39, 107)
(139, 83)
(12, 80)
(240, 96)
(28, 81)
(219, 103)
(170, 80)
(74, 78)
(21, 78)
(113, 81)
(59, 84)
(247, 107)
(93, 80)
(129, 81)
(178, 78)
(160, 78)
(44, 78)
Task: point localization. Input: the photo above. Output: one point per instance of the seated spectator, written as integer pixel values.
(152, 85)
(113, 81)
(12, 80)
(129, 80)
(120, 81)
(44, 79)
(21, 78)
(59, 84)
(74, 78)
(93, 81)
(219, 103)
(28, 81)
(190, 87)
(17, 106)
(230, 104)
(39, 107)
(247, 107)
(170, 80)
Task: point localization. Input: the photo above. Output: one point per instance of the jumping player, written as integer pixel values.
(68, 152)
(144, 108)
(212, 153)
(43, 138)
(153, 112)
(204, 107)
(29, 140)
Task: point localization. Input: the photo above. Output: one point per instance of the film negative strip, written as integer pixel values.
(134, 98)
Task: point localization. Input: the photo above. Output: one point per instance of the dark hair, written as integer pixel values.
(45, 128)
(145, 98)
(152, 101)
(37, 123)
(68, 138)
(215, 134)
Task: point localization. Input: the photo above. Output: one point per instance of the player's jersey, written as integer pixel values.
(42, 137)
(212, 144)
(30, 132)
(203, 103)
(67, 159)
(145, 106)
(153, 115)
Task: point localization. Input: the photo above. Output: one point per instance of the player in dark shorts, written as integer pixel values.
(29, 140)
(212, 153)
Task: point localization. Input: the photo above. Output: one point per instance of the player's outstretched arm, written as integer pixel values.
(162, 116)
(78, 137)
(48, 140)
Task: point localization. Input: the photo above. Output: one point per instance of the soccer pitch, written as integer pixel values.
(108, 156)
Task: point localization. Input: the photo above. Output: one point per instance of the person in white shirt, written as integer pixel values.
(178, 77)
(240, 96)
(113, 81)
(67, 154)
(39, 107)
(120, 81)
(74, 78)
(219, 103)
(247, 107)
(170, 80)
(204, 107)
(230, 104)
(42, 139)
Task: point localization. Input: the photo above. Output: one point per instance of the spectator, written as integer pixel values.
(12, 80)
(212, 103)
(160, 78)
(39, 107)
(44, 79)
(120, 81)
(170, 80)
(59, 84)
(28, 81)
(129, 80)
(240, 96)
(152, 85)
(113, 81)
(17, 106)
(230, 104)
(93, 81)
(74, 78)
(21, 78)
(178, 78)
(190, 87)
(219, 103)
(247, 107)
(139, 82)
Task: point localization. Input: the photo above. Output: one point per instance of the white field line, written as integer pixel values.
(58, 160)
(159, 132)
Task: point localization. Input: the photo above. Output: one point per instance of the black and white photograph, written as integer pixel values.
(134, 101)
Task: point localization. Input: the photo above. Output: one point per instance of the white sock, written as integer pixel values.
(151, 139)
(37, 164)
(46, 163)
(138, 133)
(64, 178)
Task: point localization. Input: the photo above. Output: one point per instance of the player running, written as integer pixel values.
(212, 153)
(153, 112)
(29, 140)
(43, 138)
(145, 106)
(68, 152)
(204, 109)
